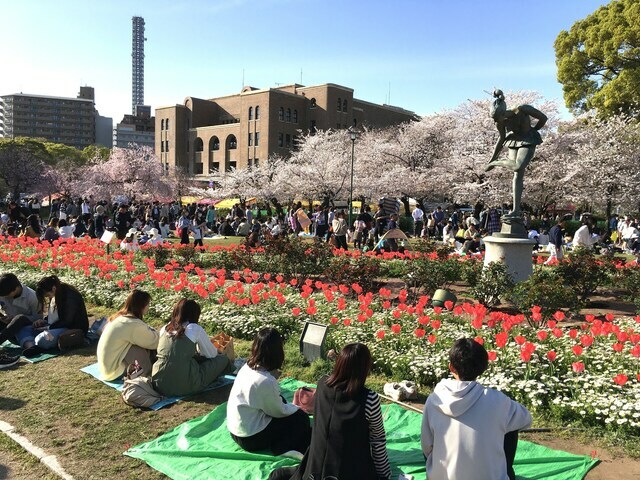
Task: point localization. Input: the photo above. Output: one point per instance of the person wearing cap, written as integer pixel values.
(130, 242)
(155, 238)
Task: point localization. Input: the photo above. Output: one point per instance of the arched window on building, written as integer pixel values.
(197, 145)
(344, 105)
(257, 112)
(288, 119)
(214, 144)
(162, 124)
(166, 124)
(312, 103)
(232, 143)
(295, 116)
(281, 114)
(250, 113)
(339, 104)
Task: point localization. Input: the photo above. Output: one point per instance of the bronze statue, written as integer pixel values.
(516, 133)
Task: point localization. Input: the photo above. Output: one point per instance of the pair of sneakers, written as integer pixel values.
(7, 360)
(398, 391)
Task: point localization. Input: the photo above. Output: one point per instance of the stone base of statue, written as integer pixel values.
(511, 247)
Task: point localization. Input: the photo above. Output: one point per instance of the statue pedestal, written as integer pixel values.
(513, 251)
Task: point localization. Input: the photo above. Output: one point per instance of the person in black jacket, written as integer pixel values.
(556, 240)
(348, 441)
(66, 311)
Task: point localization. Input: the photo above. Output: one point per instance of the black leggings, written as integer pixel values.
(280, 436)
(14, 326)
(510, 446)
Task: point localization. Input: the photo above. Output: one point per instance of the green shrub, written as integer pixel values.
(629, 279)
(471, 270)
(583, 272)
(428, 275)
(292, 256)
(545, 289)
(362, 270)
(494, 284)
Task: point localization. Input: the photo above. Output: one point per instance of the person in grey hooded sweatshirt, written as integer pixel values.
(470, 431)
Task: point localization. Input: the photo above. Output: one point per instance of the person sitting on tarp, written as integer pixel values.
(470, 431)
(66, 311)
(126, 339)
(258, 418)
(348, 440)
(20, 307)
(187, 360)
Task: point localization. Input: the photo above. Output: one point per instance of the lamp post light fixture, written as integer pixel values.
(353, 135)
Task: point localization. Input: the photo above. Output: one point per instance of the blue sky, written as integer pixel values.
(433, 54)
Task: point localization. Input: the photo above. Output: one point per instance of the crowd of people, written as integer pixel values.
(462, 430)
(137, 223)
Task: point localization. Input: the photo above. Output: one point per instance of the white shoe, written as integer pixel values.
(394, 390)
(296, 455)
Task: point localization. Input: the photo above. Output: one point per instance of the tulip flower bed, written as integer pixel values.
(589, 372)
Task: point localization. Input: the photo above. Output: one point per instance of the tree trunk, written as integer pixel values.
(407, 208)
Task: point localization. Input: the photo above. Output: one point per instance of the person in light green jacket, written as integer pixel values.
(187, 360)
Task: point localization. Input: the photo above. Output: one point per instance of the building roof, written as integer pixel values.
(49, 97)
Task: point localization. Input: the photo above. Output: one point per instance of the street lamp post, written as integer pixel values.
(353, 135)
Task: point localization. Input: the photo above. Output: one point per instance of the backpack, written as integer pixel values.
(137, 390)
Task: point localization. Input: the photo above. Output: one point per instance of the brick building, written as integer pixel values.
(208, 137)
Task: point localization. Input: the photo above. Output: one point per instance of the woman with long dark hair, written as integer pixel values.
(126, 339)
(33, 228)
(348, 441)
(187, 360)
(258, 418)
(66, 311)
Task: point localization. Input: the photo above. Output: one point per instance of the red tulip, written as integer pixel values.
(559, 316)
(620, 379)
(380, 334)
(577, 349)
(295, 311)
(346, 322)
(501, 339)
(542, 335)
(586, 340)
(551, 355)
(577, 367)
(432, 338)
(419, 332)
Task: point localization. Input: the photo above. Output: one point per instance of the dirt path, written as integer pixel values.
(612, 465)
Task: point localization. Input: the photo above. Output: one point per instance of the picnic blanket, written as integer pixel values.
(118, 384)
(12, 349)
(203, 449)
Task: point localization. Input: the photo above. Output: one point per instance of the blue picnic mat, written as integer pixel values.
(118, 384)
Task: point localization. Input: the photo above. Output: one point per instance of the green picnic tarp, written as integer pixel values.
(203, 449)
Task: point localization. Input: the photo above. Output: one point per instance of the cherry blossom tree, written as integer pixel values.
(262, 182)
(23, 166)
(600, 165)
(130, 172)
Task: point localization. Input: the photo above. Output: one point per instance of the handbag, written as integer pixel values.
(305, 398)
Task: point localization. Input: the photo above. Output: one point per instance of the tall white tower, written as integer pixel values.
(137, 63)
